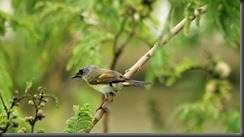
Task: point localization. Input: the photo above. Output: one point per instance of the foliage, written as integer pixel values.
(45, 40)
(162, 58)
(213, 105)
(5, 82)
(232, 121)
(81, 120)
(218, 87)
(170, 74)
(194, 115)
(8, 119)
(222, 14)
(14, 23)
(106, 25)
(226, 19)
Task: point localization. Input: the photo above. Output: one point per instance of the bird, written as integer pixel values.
(106, 81)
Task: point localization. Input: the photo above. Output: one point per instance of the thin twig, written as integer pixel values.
(4, 105)
(117, 50)
(116, 38)
(36, 112)
(115, 46)
(18, 99)
(8, 110)
(137, 66)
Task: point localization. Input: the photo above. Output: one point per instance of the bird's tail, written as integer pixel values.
(135, 83)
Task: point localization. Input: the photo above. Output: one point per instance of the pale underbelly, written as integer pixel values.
(106, 88)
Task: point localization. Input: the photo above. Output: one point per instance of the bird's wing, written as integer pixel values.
(106, 77)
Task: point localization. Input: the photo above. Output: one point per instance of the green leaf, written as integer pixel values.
(87, 51)
(2, 25)
(198, 21)
(232, 121)
(156, 67)
(194, 115)
(81, 120)
(187, 25)
(189, 13)
(3, 117)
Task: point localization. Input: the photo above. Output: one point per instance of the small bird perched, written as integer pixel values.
(105, 80)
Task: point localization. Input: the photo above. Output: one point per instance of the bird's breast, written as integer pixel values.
(106, 88)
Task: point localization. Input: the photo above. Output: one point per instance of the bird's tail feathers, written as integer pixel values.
(135, 83)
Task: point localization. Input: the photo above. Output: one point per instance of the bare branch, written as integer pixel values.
(144, 59)
(117, 51)
(120, 48)
(116, 38)
(137, 66)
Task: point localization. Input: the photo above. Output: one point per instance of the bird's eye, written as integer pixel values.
(81, 71)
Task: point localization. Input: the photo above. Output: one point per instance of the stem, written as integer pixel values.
(137, 66)
(8, 110)
(37, 109)
(17, 100)
(116, 38)
(165, 39)
(117, 50)
(4, 105)
(115, 46)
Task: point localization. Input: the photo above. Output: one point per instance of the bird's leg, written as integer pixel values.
(100, 107)
(106, 98)
(112, 94)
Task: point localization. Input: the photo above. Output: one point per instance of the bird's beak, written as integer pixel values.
(76, 76)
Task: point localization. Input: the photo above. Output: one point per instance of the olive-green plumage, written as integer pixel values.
(105, 80)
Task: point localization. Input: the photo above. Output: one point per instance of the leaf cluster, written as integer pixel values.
(222, 14)
(213, 105)
(69, 33)
(9, 118)
(81, 121)
(195, 115)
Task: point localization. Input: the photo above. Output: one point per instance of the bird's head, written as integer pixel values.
(84, 72)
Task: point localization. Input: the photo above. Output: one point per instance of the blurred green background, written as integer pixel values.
(196, 76)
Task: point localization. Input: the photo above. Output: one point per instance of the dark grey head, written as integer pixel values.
(83, 72)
